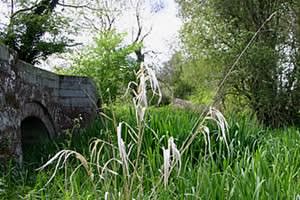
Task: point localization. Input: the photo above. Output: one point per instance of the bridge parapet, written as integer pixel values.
(27, 91)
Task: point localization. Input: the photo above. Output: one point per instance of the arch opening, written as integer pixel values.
(34, 135)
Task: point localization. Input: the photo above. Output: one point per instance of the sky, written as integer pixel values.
(158, 15)
(164, 25)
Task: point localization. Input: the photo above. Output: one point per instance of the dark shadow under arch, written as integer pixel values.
(36, 132)
(33, 131)
(37, 110)
(47, 114)
(34, 135)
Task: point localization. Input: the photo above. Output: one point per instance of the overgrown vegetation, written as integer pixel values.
(266, 78)
(108, 62)
(138, 157)
(263, 163)
(243, 54)
(35, 30)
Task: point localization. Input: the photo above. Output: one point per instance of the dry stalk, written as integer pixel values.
(172, 156)
(209, 114)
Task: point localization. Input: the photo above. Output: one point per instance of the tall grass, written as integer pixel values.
(127, 161)
(162, 153)
(142, 152)
(264, 163)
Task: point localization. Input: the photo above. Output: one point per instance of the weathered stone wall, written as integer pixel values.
(27, 91)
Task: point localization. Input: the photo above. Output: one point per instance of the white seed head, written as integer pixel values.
(122, 149)
(172, 157)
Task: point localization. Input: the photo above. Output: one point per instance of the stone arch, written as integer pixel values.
(36, 127)
(38, 111)
(33, 133)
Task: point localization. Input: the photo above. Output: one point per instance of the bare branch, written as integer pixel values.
(140, 28)
(152, 52)
(74, 44)
(22, 10)
(81, 6)
(110, 21)
(91, 23)
(11, 7)
(146, 34)
(73, 6)
(140, 37)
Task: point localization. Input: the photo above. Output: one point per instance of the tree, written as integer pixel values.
(188, 78)
(108, 63)
(267, 77)
(35, 30)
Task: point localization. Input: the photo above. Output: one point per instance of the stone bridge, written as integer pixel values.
(36, 104)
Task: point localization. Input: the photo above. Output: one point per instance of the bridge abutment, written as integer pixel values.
(28, 93)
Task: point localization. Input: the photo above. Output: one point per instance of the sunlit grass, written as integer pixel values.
(264, 164)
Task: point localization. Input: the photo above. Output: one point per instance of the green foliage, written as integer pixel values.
(264, 164)
(36, 30)
(266, 77)
(192, 78)
(108, 62)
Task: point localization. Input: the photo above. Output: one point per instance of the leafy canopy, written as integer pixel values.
(35, 30)
(108, 62)
(267, 76)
